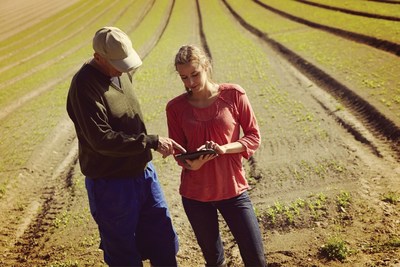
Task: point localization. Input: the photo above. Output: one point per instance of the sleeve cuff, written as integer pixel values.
(152, 141)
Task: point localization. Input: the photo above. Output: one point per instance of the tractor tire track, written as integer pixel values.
(26, 198)
(375, 121)
(146, 10)
(386, 1)
(53, 198)
(380, 44)
(156, 38)
(348, 11)
(202, 34)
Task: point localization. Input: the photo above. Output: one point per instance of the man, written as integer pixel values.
(125, 198)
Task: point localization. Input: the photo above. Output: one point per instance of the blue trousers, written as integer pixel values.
(240, 217)
(133, 220)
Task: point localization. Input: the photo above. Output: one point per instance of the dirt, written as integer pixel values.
(45, 219)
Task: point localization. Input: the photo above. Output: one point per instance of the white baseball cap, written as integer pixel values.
(115, 46)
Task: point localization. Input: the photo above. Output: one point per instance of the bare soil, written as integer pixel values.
(45, 219)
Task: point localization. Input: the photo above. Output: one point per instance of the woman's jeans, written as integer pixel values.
(133, 220)
(240, 217)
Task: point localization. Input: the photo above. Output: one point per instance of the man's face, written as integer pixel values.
(106, 67)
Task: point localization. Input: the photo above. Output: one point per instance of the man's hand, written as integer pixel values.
(167, 146)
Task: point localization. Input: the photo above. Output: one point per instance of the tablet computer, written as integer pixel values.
(195, 154)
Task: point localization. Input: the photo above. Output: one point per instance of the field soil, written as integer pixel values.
(45, 219)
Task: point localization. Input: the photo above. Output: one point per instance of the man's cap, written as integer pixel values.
(115, 46)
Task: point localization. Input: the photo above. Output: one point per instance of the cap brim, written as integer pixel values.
(127, 64)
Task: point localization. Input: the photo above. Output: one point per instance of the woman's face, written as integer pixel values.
(193, 76)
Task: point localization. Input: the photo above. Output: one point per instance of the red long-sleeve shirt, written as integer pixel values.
(224, 176)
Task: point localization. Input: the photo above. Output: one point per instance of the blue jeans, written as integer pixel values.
(133, 220)
(240, 217)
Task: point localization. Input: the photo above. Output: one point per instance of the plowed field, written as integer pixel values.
(322, 78)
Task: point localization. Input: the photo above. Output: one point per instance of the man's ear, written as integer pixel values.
(97, 57)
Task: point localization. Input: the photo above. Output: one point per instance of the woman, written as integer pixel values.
(211, 115)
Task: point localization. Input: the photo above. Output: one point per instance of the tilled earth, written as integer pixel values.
(338, 188)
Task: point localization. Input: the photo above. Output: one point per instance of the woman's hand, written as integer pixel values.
(196, 164)
(212, 145)
(231, 148)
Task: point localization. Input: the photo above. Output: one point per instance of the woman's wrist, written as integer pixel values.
(232, 148)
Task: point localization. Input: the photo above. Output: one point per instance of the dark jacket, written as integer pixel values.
(113, 141)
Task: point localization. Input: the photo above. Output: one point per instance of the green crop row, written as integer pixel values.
(281, 109)
(148, 29)
(45, 64)
(238, 58)
(156, 82)
(370, 73)
(363, 6)
(54, 34)
(32, 35)
(381, 29)
(305, 212)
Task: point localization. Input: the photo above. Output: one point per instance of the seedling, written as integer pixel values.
(391, 197)
(335, 249)
(343, 200)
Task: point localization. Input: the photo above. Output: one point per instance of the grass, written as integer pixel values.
(343, 200)
(69, 263)
(335, 249)
(20, 135)
(381, 29)
(391, 197)
(258, 81)
(373, 75)
(147, 29)
(35, 48)
(301, 213)
(304, 170)
(363, 6)
(45, 27)
(65, 55)
(382, 243)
